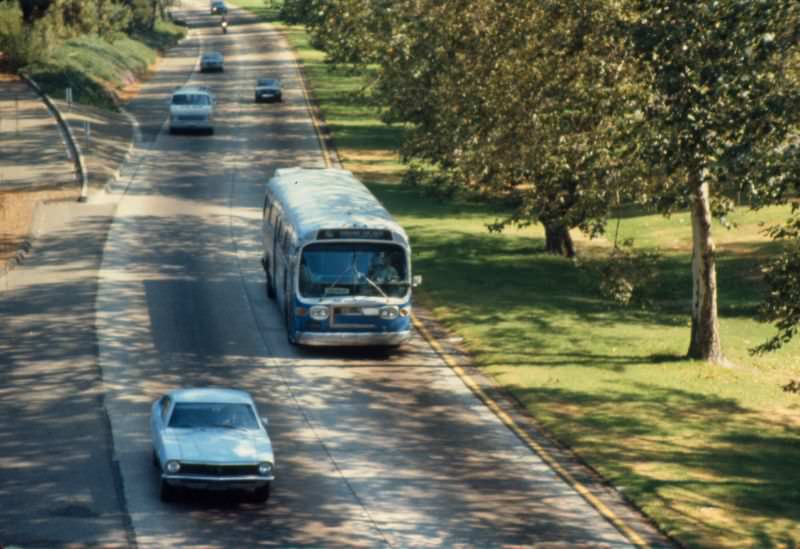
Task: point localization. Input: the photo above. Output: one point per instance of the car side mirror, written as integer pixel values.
(416, 280)
(265, 421)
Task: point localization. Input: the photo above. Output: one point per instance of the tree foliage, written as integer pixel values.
(511, 99)
(24, 42)
(721, 104)
(782, 274)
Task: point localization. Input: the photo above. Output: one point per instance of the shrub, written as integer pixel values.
(627, 274)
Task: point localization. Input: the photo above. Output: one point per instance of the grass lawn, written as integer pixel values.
(95, 68)
(711, 453)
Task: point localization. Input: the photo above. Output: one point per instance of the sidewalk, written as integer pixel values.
(35, 165)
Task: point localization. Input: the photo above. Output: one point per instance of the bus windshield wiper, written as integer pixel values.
(372, 283)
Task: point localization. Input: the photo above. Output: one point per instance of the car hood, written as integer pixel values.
(218, 445)
(267, 88)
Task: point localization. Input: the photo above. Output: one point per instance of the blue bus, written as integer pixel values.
(336, 262)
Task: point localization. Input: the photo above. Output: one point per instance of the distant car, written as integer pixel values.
(218, 8)
(268, 89)
(211, 439)
(212, 61)
(192, 108)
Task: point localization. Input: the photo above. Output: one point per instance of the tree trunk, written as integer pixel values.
(558, 240)
(705, 343)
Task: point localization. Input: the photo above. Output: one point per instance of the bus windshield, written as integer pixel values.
(353, 269)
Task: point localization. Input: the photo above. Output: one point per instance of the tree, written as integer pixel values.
(719, 118)
(514, 100)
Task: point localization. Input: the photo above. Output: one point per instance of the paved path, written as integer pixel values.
(33, 154)
(35, 164)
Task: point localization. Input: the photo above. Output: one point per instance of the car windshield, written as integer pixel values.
(212, 57)
(353, 269)
(198, 415)
(267, 83)
(190, 99)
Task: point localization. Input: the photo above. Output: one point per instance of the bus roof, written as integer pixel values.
(316, 198)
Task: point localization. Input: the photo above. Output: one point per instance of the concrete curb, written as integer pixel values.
(136, 138)
(72, 143)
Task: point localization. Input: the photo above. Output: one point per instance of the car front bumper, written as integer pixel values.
(189, 123)
(268, 96)
(203, 482)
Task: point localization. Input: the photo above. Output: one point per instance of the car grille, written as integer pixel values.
(191, 117)
(218, 470)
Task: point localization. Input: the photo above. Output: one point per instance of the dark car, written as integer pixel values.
(268, 89)
(218, 7)
(212, 61)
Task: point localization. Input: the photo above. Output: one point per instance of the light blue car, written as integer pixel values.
(211, 439)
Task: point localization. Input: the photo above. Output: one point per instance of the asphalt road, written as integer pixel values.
(372, 449)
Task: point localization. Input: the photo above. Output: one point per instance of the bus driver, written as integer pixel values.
(382, 270)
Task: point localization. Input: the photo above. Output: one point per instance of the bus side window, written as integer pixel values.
(278, 234)
(285, 242)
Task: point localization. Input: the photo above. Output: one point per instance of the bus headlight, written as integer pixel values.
(319, 312)
(389, 313)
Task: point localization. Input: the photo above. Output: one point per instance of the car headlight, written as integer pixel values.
(389, 313)
(319, 312)
(264, 468)
(173, 467)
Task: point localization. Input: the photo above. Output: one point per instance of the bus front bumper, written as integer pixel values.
(354, 339)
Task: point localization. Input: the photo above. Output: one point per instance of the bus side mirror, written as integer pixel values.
(416, 280)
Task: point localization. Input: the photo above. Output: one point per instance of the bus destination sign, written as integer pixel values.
(354, 234)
